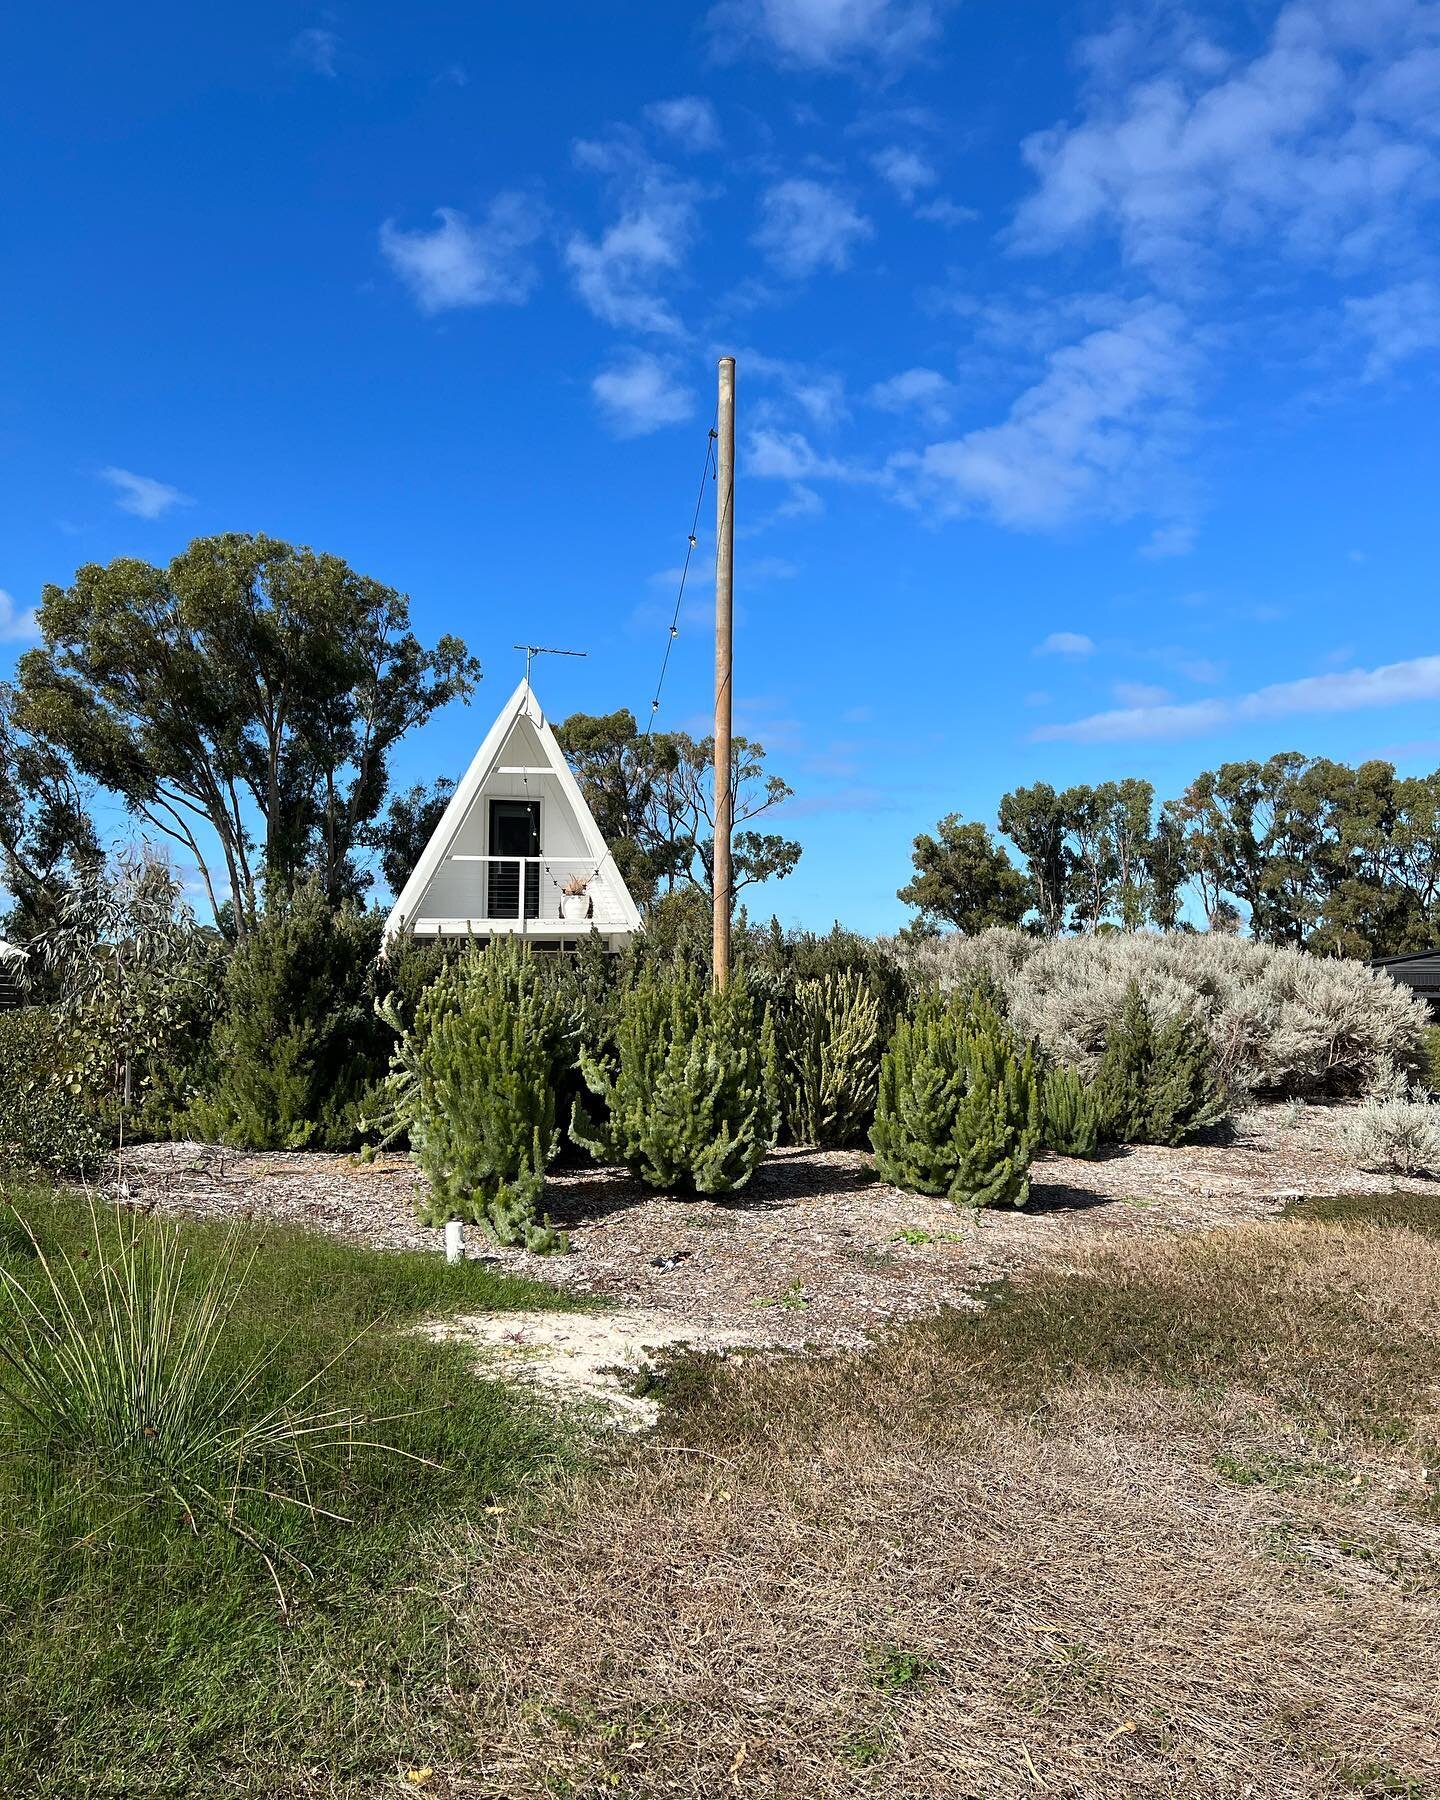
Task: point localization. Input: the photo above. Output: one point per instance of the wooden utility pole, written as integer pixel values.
(724, 660)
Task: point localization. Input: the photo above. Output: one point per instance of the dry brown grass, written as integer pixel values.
(1159, 1524)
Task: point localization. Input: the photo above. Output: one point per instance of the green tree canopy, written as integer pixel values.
(252, 690)
(46, 833)
(654, 801)
(964, 878)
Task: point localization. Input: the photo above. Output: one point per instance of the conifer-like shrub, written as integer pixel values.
(1430, 1068)
(829, 1046)
(958, 1111)
(297, 1044)
(690, 1092)
(483, 1055)
(1156, 1084)
(1070, 1118)
(1281, 1021)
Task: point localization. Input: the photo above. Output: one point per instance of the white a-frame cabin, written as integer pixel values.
(517, 829)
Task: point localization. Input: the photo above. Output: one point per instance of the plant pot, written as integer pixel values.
(574, 907)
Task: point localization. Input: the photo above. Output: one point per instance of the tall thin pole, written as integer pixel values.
(724, 660)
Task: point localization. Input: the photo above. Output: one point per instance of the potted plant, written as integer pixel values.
(575, 902)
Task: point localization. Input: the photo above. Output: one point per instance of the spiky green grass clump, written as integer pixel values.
(226, 1460)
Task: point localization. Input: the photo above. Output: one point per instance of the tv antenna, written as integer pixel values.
(534, 650)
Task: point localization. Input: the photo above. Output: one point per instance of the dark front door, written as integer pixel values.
(514, 831)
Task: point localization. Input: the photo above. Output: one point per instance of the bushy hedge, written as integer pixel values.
(959, 1105)
(690, 1093)
(297, 1046)
(45, 1124)
(1279, 1020)
(829, 1044)
(485, 1052)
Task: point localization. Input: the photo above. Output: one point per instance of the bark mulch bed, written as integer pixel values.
(817, 1251)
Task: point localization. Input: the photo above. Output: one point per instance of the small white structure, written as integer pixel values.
(12, 975)
(517, 831)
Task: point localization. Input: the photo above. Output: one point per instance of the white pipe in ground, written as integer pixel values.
(454, 1240)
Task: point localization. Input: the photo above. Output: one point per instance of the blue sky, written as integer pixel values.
(1087, 363)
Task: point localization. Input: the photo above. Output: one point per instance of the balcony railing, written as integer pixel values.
(523, 890)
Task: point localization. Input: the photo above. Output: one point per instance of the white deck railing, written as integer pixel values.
(520, 892)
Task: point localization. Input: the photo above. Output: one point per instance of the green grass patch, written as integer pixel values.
(148, 1655)
(1412, 1212)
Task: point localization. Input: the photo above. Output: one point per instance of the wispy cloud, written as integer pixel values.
(641, 393)
(459, 263)
(925, 392)
(316, 49)
(690, 119)
(1090, 438)
(142, 495)
(1398, 322)
(18, 624)
(906, 171)
(807, 225)
(1353, 690)
(1066, 643)
(817, 392)
(1140, 693)
(1317, 147)
(621, 274)
(825, 34)
(1169, 540)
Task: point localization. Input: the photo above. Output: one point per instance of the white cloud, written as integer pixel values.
(1066, 643)
(818, 393)
(1317, 147)
(18, 624)
(923, 391)
(790, 456)
(825, 34)
(1169, 540)
(906, 172)
(640, 394)
(619, 274)
(1395, 684)
(142, 495)
(1140, 693)
(771, 568)
(1399, 322)
(807, 225)
(317, 50)
(945, 212)
(1090, 437)
(691, 120)
(463, 264)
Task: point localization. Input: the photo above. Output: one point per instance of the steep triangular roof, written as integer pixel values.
(521, 704)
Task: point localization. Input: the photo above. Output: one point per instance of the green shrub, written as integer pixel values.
(297, 1045)
(828, 1040)
(691, 1091)
(487, 1042)
(1156, 1085)
(1431, 1074)
(959, 1105)
(45, 1123)
(1071, 1118)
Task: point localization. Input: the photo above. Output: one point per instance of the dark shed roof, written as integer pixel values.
(1419, 970)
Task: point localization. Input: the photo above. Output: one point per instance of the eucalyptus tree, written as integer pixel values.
(247, 696)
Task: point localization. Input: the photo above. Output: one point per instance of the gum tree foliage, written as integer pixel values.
(247, 694)
(1296, 850)
(46, 833)
(654, 801)
(964, 878)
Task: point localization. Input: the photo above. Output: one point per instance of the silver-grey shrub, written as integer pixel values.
(1397, 1137)
(1281, 1021)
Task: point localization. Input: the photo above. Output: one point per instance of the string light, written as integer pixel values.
(692, 542)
